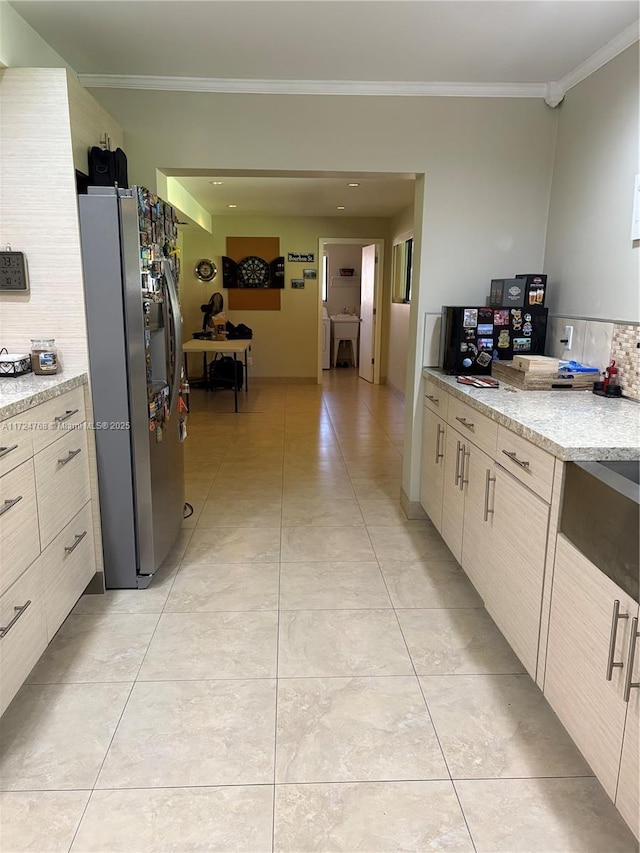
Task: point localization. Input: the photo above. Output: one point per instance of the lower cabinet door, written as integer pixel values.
(453, 492)
(68, 566)
(432, 466)
(24, 635)
(627, 798)
(591, 708)
(478, 540)
(514, 596)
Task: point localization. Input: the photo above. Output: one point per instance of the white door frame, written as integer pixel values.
(378, 302)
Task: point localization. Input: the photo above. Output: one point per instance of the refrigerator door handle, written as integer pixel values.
(177, 336)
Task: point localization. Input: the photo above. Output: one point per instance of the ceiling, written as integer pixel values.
(531, 41)
(334, 43)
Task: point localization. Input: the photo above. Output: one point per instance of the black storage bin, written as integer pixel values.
(224, 371)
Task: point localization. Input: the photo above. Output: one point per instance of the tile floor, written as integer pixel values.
(308, 672)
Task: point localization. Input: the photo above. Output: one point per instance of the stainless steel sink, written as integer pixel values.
(601, 516)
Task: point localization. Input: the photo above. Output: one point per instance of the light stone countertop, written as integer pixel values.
(572, 425)
(22, 393)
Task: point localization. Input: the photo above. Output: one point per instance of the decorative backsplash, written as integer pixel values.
(624, 348)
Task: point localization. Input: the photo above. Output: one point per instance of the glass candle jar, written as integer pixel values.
(44, 356)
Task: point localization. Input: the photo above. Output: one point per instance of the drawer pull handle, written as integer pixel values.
(5, 450)
(489, 479)
(465, 455)
(439, 432)
(466, 423)
(68, 414)
(72, 455)
(457, 477)
(79, 537)
(19, 611)
(628, 684)
(512, 456)
(612, 638)
(8, 504)
(433, 399)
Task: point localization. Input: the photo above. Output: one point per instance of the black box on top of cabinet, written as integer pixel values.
(535, 288)
(507, 293)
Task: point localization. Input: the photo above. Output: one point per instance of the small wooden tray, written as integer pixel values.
(533, 381)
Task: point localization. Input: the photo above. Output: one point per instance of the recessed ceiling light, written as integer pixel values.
(217, 183)
(233, 205)
(340, 207)
(353, 185)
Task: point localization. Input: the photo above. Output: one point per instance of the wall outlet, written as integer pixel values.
(250, 360)
(567, 338)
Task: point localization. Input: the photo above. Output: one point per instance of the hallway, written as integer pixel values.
(309, 671)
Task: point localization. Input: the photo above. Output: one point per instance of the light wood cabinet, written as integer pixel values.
(478, 541)
(587, 643)
(453, 492)
(627, 795)
(18, 523)
(432, 466)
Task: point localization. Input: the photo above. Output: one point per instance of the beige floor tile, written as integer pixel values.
(387, 512)
(341, 642)
(237, 544)
(317, 585)
(543, 816)
(246, 489)
(241, 512)
(428, 583)
(174, 820)
(40, 821)
(55, 736)
(371, 488)
(321, 512)
(344, 544)
(499, 726)
(96, 648)
(192, 733)
(374, 816)
(456, 641)
(209, 586)
(408, 543)
(355, 729)
(318, 487)
(261, 455)
(212, 645)
(361, 470)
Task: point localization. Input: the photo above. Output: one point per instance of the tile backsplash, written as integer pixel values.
(626, 352)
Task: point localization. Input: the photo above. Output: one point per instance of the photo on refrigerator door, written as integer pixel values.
(521, 344)
(501, 317)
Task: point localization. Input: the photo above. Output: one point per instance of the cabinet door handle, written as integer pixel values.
(69, 413)
(512, 456)
(628, 683)
(4, 451)
(612, 639)
(78, 539)
(8, 504)
(457, 478)
(19, 611)
(466, 423)
(440, 431)
(433, 399)
(488, 479)
(465, 455)
(72, 455)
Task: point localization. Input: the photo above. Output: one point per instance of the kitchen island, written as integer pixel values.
(493, 470)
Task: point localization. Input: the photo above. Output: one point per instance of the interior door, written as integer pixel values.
(367, 311)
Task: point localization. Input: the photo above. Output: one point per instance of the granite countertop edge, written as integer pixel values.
(565, 453)
(24, 392)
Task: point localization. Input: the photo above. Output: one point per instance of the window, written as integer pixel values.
(402, 266)
(325, 276)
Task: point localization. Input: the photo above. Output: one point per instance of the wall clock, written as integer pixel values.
(254, 272)
(206, 270)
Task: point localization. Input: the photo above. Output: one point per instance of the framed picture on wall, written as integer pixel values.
(297, 284)
(310, 273)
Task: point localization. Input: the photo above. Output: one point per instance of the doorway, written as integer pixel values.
(341, 293)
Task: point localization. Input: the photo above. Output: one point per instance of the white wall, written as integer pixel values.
(398, 325)
(343, 293)
(20, 44)
(593, 266)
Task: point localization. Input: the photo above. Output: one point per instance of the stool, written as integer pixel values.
(354, 348)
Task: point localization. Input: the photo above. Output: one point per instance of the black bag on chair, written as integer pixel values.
(221, 373)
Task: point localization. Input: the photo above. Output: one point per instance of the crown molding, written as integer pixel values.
(313, 87)
(605, 54)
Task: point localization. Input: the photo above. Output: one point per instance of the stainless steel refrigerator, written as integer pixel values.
(135, 345)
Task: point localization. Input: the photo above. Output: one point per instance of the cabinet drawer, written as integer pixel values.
(19, 537)
(528, 463)
(16, 444)
(436, 399)
(477, 428)
(50, 420)
(68, 564)
(62, 483)
(26, 639)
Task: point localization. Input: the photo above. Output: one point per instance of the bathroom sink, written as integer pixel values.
(345, 318)
(601, 517)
